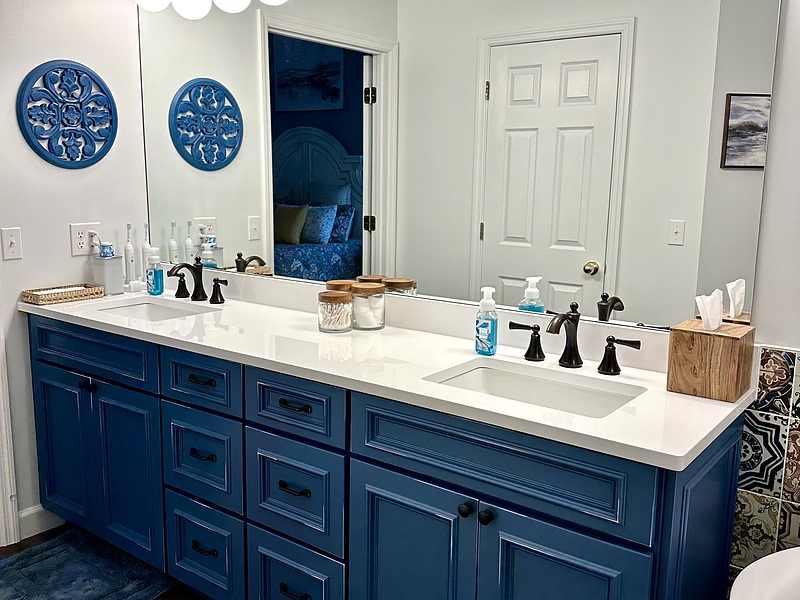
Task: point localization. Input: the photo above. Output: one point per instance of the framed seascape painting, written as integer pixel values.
(308, 76)
(744, 141)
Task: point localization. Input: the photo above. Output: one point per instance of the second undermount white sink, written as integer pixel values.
(560, 390)
(153, 309)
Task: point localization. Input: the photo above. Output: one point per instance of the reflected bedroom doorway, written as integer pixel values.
(319, 124)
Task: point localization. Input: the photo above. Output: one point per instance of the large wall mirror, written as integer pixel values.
(621, 147)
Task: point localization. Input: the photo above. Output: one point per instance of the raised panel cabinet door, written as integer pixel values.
(520, 558)
(408, 538)
(131, 511)
(62, 406)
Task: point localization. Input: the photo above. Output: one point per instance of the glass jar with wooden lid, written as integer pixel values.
(368, 306)
(400, 285)
(371, 278)
(339, 285)
(335, 312)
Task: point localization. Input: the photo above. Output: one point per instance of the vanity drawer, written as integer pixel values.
(203, 455)
(607, 494)
(296, 489)
(202, 381)
(279, 569)
(114, 357)
(306, 408)
(205, 548)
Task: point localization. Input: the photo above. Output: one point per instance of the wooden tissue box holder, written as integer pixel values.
(712, 364)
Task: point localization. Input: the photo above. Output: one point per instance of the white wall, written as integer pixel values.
(42, 198)
(733, 196)
(673, 72)
(777, 286)
(227, 48)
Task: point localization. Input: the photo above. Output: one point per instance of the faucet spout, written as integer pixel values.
(243, 263)
(571, 357)
(199, 292)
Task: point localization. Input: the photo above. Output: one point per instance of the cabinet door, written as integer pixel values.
(521, 558)
(407, 539)
(62, 406)
(128, 433)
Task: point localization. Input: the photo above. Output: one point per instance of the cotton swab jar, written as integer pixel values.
(335, 312)
(368, 306)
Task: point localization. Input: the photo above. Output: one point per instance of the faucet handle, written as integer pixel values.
(182, 291)
(216, 294)
(609, 364)
(534, 351)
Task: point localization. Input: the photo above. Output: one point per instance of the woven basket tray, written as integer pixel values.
(63, 293)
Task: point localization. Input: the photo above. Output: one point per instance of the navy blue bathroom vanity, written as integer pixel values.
(248, 483)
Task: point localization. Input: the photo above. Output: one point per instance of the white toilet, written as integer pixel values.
(774, 577)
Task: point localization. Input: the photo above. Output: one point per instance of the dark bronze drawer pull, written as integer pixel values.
(305, 408)
(195, 454)
(284, 487)
(196, 380)
(197, 548)
(285, 591)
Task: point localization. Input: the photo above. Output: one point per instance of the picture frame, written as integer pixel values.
(746, 127)
(308, 75)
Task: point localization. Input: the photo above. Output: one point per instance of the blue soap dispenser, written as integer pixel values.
(531, 301)
(486, 324)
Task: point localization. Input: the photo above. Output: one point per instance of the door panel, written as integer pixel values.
(63, 443)
(408, 540)
(521, 558)
(132, 507)
(549, 161)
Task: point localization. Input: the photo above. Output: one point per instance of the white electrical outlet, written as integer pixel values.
(11, 240)
(201, 223)
(253, 228)
(79, 238)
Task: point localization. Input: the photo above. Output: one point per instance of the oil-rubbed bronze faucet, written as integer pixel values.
(570, 358)
(243, 263)
(199, 292)
(606, 305)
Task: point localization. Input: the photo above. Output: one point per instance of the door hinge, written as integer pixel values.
(487, 90)
(481, 234)
(369, 223)
(370, 95)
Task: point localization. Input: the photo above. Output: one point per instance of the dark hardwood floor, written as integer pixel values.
(178, 592)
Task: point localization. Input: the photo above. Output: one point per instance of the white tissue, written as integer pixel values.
(736, 295)
(710, 309)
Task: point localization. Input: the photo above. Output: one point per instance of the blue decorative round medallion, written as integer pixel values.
(67, 114)
(205, 124)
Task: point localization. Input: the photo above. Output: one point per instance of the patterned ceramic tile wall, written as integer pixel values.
(768, 502)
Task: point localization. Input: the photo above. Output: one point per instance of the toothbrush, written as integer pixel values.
(130, 259)
(173, 247)
(146, 248)
(188, 244)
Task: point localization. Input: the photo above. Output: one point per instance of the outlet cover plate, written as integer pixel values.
(79, 238)
(11, 240)
(207, 221)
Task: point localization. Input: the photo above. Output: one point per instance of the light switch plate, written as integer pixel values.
(677, 233)
(253, 228)
(11, 239)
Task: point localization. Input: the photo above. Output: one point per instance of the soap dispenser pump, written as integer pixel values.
(486, 324)
(531, 302)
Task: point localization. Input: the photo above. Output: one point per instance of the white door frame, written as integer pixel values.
(626, 29)
(9, 519)
(380, 180)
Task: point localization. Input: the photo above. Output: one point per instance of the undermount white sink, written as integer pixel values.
(560, 390)
(152, 309)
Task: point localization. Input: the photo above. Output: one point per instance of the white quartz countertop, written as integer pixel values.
(658, 427)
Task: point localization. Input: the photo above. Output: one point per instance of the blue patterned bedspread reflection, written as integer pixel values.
(319, 262)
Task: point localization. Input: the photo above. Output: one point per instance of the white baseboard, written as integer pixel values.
(35, 520)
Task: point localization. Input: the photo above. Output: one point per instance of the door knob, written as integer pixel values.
(591, 267)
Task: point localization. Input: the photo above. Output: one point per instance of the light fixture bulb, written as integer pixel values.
(192, 9)
(232, 6)
(153, 5)
(274, 2)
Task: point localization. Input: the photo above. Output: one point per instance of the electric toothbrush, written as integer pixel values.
(173, 247)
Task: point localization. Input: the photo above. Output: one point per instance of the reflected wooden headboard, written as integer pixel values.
(305, 159)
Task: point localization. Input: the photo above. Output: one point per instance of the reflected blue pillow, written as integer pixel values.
(343, 223)
(318, 225)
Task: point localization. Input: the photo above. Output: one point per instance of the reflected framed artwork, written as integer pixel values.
(308, 75)
(744, 141)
